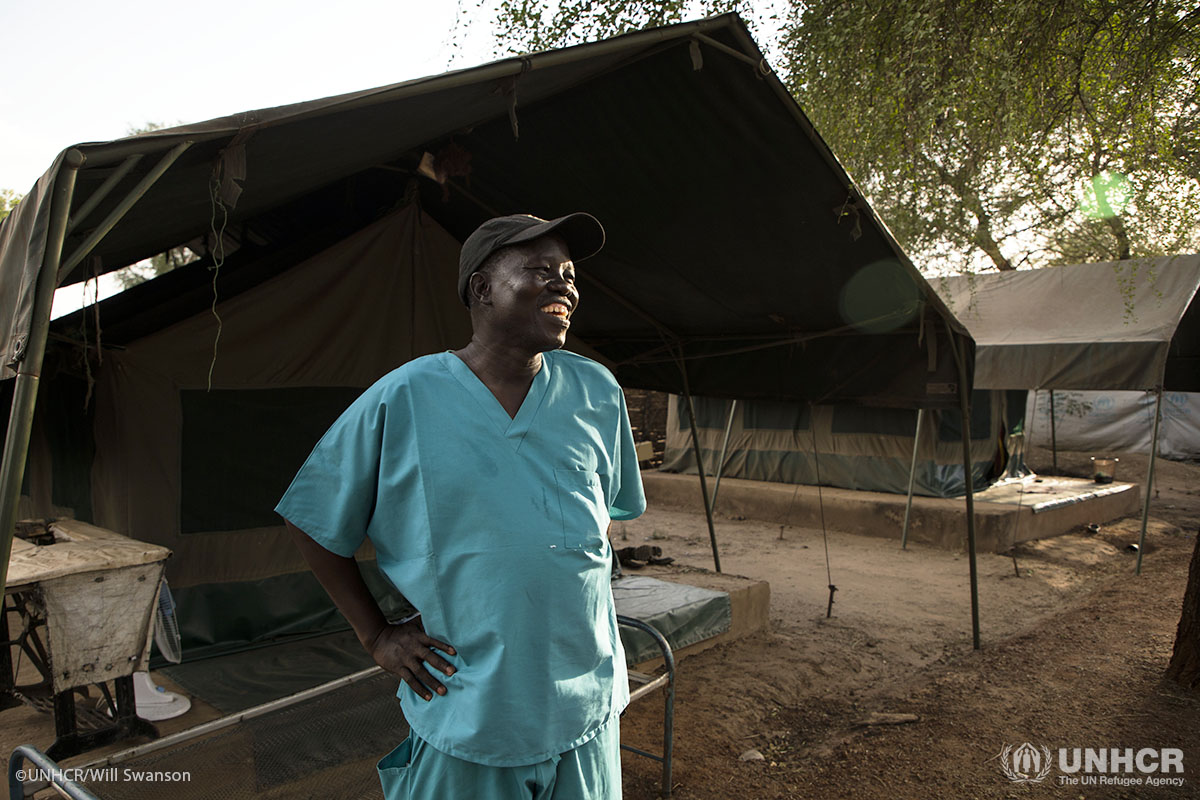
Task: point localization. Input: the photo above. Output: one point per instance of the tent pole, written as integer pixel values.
(102, 192)
(965, 411)
(123, 207)
(1149, 479)
(1053, 438)
(712, 534)
(912, 473)
(29, 370)
(712, 504)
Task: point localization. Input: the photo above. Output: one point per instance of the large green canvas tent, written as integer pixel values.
(850, 447)
(741, 262)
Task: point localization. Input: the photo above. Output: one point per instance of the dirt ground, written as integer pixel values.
(1073, 649)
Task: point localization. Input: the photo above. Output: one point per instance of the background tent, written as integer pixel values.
(1117, 325)
(867, 449)
(1131, 324)
(1116, 422)
(741, 261)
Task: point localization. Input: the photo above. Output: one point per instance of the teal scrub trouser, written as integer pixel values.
(592, 771)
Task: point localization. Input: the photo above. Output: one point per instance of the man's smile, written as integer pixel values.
(559, 310)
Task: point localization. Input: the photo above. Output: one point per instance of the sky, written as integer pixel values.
(86, 71)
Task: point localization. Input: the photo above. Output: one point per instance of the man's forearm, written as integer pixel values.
(341, 579)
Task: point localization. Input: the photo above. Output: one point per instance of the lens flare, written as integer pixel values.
(1105, 196)
(880, 297)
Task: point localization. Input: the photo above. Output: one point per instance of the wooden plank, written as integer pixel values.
(79, 548)
(646, 684)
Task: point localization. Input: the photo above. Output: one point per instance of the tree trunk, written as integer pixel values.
(1185, 661)
(960, 182)
(1117, 226)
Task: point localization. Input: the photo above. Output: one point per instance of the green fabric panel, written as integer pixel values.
(221, 618)
(241, 449)
(711, 412)
(246, 677)
(950, 429)
(6, 397)
(72, 447)
(683, 614)
(1014, 410)
(237, 681)
(887, 421)
(776, 415)
(324, 747)
(863, 473)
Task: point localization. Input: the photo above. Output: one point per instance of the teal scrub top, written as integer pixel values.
(494, 528)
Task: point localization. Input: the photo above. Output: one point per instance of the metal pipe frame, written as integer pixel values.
(712, 504)
(61, 783)
(965, 410)
(1149, 480)
(712, 534)
(669, 701)
(232, 719)
(738, 54)
(102, 192)
(29, 370)
(912, 474)
(123, 207)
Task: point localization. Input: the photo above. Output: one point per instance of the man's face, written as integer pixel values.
(533, 294)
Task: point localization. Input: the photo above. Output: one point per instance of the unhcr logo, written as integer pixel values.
(1089, 766)
(1025, 763)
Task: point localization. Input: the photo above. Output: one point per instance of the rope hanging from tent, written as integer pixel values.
(93, 280)
(821, 505)
(217, 250)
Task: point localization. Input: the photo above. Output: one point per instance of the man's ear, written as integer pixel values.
(480, 288)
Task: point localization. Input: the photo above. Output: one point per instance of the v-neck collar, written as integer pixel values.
(511, 428)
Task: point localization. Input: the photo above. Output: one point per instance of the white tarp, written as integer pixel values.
(1115, 422)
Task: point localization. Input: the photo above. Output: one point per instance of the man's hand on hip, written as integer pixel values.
(404, 650)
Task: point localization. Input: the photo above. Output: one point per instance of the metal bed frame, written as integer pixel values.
(49, 774)
(645, 684)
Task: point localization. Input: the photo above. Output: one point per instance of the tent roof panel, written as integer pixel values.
(736, 240)
(1113, 325)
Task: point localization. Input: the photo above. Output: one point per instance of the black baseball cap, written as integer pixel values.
(583, 233)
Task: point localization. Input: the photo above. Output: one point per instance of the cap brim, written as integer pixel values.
(582, 232)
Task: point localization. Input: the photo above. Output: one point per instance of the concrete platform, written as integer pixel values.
(1035, 508)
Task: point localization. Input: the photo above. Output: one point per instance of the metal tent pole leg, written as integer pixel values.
(29, 370)
(712, 505)
(1149, 480)
(912, 473)
(712, 534)
(964, 409)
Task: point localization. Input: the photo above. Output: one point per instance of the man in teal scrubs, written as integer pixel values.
(486, 479)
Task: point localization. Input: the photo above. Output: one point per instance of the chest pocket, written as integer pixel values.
(584, 509)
